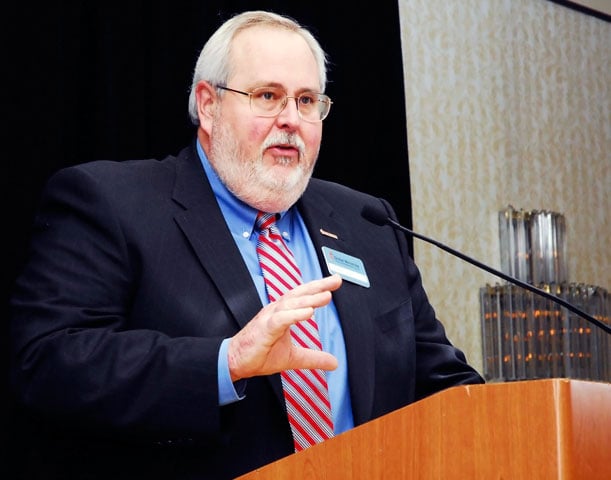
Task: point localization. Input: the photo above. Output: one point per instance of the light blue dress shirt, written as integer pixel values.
(240, 219)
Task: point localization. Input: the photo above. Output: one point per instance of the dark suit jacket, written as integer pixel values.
(133, 282)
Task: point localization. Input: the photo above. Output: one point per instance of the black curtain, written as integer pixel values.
(90, 80)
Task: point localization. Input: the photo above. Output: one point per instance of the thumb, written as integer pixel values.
(306, 358)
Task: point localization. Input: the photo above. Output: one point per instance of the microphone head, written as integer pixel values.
(375, 215)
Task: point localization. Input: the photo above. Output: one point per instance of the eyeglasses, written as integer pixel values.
(270, 101)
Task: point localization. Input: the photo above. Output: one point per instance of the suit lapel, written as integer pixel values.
(204, 227)
(324, 224)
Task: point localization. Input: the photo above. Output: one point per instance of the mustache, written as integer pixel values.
(285, 138)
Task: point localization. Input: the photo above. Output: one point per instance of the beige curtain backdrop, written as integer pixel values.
(508, 103)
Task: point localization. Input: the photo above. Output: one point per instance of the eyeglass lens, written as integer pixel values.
(270, 101)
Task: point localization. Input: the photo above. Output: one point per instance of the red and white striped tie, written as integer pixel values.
(305, 391)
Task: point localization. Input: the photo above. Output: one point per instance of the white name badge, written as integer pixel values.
(346, 266)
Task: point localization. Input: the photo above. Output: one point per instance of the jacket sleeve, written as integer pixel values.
(75, 348)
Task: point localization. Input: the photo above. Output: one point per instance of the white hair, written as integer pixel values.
(213, 64)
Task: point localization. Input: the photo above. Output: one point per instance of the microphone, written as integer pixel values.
(379, 217)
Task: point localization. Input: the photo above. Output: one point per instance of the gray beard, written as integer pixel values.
(249, 180)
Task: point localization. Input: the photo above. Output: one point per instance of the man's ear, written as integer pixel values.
(206, 98)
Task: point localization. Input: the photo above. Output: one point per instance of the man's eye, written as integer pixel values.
(267, 95)
(307, 99)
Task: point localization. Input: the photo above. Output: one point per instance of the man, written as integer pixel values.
(142, 328)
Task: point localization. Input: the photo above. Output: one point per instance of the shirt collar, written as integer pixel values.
(240, 217)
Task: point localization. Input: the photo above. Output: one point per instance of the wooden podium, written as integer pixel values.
(534, 429)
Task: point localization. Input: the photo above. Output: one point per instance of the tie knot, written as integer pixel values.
(265, 221)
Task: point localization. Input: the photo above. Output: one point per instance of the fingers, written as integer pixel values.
(264, 345)
(299, 304)
(330, 283)
(313, 359)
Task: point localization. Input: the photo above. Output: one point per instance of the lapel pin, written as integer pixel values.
(328, 234)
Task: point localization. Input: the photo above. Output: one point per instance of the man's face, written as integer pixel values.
(266, 161)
